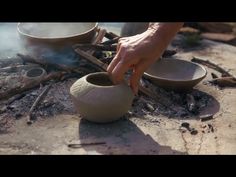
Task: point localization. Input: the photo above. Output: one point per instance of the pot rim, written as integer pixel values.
(55, 38)
(102, 86)
(178, 80)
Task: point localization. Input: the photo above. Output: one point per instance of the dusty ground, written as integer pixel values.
(147, 133)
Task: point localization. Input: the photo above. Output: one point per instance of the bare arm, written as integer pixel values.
(140, 51)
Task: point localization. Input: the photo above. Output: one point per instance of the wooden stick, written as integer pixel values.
(16, 97)
(155, 96)
(91, 59)
(36, 103)
(97, 46)
(100, 36)
(15, 68)
(97, 40)
(111, 41)
(213, 66)
(111, 35)
(169, 53)
(30, 85)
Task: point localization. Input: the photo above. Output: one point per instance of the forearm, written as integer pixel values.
(162, 35)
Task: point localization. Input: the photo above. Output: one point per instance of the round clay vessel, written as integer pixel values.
(98, 100)
(34, 74)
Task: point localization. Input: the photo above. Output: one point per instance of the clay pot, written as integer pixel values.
(98, 100)
(34, 74)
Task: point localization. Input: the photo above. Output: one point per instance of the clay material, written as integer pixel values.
(175, 74)
(98, 100)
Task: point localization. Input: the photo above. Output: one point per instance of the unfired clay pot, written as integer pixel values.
(98, 100)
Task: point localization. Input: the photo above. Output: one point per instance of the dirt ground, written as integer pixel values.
(147, 133)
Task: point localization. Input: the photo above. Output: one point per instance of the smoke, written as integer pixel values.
(10, 43)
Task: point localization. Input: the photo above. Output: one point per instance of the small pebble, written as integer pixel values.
(185, 124)
(194, 132)
(18, 115)
(149, 107)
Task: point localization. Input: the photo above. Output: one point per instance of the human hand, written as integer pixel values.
(139, 52)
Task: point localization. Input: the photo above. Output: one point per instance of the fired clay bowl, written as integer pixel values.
(175, 74)
(56, 35)
(97, 100)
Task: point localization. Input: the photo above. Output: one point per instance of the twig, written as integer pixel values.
(224, 81)
(36, 103)
(213, 66)
(85, 144)
(16, 97)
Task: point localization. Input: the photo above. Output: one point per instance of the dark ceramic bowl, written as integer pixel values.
(175, 74)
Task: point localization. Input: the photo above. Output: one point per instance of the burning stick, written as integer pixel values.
(98, 39)
(111, 41)
(36, 103)
(97, 46)
(11, 92)
(30, 59)
(100, 36)
(111, 35)
(92, 59)
(213, 66)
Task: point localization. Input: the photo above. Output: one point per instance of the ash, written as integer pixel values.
(178, 103)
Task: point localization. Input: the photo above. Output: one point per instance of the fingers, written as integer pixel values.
(138, 71)
(135, 78)
(119, 71)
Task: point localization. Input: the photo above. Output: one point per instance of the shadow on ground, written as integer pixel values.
(120, 137)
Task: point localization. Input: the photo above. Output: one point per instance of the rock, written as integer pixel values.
(18, 115)
(226, 38)
(11, 107)
(149, 107)
(216, 27)
(193, 132)
(3, 109)
(185, 124)
(34, 93)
